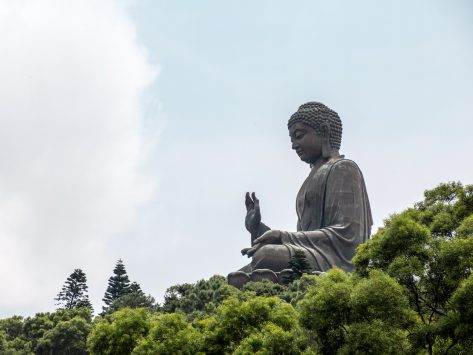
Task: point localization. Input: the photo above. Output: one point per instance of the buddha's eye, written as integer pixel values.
(298, 134)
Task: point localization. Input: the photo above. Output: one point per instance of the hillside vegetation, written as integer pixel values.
(411, 293)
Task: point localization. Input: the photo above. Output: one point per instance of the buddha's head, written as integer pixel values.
(315, 131)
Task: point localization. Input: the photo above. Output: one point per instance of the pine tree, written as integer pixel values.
(73, 294)
(118, 284)
(135, 288)
(299, 266)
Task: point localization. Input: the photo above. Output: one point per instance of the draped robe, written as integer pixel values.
(334, 217)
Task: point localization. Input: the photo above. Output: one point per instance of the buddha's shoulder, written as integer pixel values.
(343, 165)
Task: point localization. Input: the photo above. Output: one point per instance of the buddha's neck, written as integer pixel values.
(322, 161)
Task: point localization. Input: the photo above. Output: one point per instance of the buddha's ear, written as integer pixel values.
(326, 147)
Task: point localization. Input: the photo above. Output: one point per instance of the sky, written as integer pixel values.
(132, 129)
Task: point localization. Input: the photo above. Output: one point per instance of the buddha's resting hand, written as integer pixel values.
(272, 236)
(245, 250)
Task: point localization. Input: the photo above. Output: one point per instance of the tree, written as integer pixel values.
(135, 288)
(60, 332)
(299, 266)
(352, 315)
(119, 333)
(428, 249)
(14, 342)
(134, 300)
(170, 334)
(459, 321)
(15, 346)
(264, 288)
(73, 294)
(272, 339)
(118, 284)
(13, 327)
(197, 299)
(67, 337)
(237, 320)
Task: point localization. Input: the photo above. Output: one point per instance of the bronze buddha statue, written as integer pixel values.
(333, 210)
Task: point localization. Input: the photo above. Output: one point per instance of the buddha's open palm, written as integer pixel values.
(253, 213)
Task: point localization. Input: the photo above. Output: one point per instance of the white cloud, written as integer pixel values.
(73, 150)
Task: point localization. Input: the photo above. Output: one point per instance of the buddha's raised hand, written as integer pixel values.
(253, 214)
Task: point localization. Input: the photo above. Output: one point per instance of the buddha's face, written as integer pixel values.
(306, 142)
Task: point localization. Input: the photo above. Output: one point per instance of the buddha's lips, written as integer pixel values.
(299, 152)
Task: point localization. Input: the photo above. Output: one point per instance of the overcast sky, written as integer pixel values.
(132, 129)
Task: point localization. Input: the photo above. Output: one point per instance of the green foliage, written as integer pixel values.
(272, 339)
(60, 332)
(35, 327)
(197, 299)
(411, 293)
(170, 334)
(299, 266)
(135, 288)
(297, 289)
(326, 309)
(264, 288)
(374, 338)
(121, 294)
(74, 292)
(428, 249)
(14, 346)
(67, 337)
(119, 333)
(401, 240)
(342, 306)
(445, 207)
(236, 320)
(380, 297)
(133, 300)
(465, 229)
(12, 327)
(118, 284)
(461, 314)
(291, 293)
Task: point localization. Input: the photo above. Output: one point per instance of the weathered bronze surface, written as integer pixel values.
(333, 210)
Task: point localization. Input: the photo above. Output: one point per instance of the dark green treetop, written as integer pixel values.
(73, 294)
(118, 284)
(135, 288)
(299, 266)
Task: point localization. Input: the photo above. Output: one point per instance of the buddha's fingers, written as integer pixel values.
(248, 202)
(253, 250)
(256, 202)
(244, 251)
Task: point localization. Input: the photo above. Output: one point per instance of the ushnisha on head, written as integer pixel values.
(315, 131)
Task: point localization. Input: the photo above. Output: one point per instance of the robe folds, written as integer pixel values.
(334, 217)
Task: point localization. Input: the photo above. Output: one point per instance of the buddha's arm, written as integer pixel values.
(344, 213)
(261, 230)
